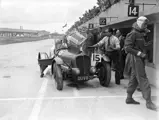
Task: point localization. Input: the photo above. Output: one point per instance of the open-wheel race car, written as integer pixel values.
(76, 66)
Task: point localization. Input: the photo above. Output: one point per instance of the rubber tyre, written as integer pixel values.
(104, 74)
(58, 77)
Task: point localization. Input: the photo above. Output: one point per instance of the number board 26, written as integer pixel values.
(102, 21)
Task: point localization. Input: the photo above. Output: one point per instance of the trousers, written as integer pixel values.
(122, 58)
(138, 77)
(114, 58)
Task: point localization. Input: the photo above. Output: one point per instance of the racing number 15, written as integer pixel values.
(97, 57)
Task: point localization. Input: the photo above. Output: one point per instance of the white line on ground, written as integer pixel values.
(37, 106)
(71, 97)
(75, 92)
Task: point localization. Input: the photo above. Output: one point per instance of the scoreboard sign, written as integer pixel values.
(102, 21)
(91, 26)
(133, 11)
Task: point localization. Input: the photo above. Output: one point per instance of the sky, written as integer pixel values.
(49, 15)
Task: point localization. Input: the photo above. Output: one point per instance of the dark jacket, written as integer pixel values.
(134, 41)
(128, 65)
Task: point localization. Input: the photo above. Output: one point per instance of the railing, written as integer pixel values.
(143, 4)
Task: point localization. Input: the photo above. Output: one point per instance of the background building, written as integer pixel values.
(117, 17)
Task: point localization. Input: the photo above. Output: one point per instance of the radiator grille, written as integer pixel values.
(83, 63)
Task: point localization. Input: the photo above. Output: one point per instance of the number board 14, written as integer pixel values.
(133, 11)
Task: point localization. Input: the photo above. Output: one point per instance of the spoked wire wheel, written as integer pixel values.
(104, 74)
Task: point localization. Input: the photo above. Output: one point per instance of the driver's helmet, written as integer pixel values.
(142, 22)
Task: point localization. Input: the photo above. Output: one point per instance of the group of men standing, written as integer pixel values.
(127, 53)
(112, 42)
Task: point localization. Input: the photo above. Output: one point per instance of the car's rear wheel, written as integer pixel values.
(104, 74)
(58, 77)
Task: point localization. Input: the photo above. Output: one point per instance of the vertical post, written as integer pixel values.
(157, 2)
(131, 2)
(143, 6)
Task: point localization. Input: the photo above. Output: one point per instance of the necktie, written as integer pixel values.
(108, 41)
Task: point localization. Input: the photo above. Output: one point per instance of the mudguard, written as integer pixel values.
(58, 61)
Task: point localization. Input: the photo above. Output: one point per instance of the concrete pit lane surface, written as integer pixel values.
(26, 96)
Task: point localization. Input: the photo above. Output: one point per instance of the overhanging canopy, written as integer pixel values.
(152, 15)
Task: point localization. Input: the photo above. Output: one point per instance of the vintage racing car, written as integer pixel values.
(72, 63)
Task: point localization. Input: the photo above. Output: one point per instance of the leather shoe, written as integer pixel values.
(42, 75)
(131, 101)
(151, 106)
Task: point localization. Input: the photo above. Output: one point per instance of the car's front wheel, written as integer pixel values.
(104, 74)
(58, 76)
